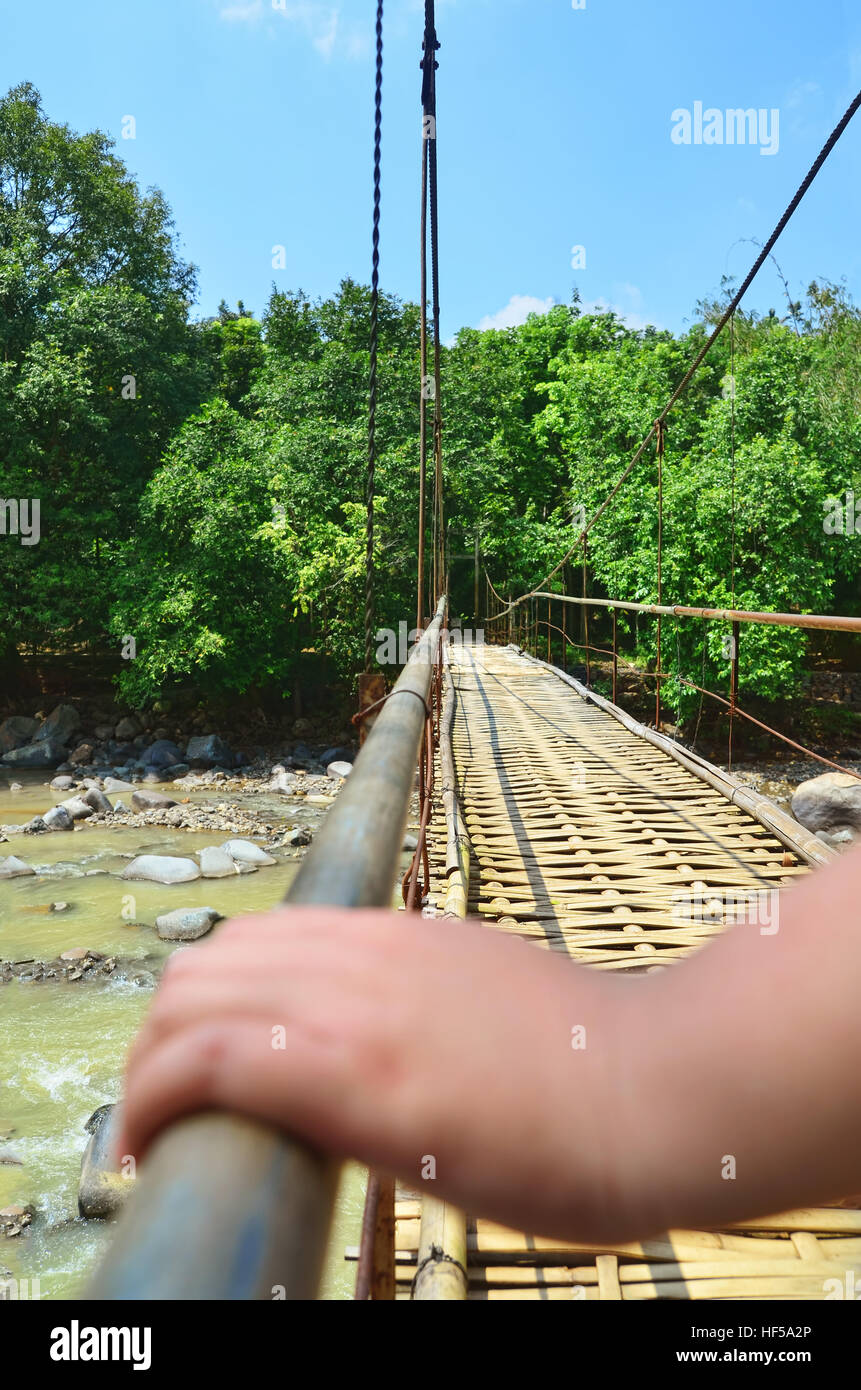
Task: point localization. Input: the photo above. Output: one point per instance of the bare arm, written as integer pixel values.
(752, 1053)
(404, 1038)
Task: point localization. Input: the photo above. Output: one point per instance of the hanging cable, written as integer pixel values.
(427, 126)
(660, 432)
(429, 67)
(732, 455)
(375, 334)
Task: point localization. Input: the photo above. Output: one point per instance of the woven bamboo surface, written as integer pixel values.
(589, 841)
(803, 1255)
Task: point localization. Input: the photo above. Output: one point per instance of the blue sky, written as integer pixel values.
(555, 131)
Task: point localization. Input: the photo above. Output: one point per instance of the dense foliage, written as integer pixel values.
(98, 365)
(215, 510)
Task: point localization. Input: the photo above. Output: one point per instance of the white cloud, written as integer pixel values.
(243, 14)
(800, 92)
(627, 304)
(516, 312)
(358, 45)
(318, 21)
(628, 317)
(323, 38)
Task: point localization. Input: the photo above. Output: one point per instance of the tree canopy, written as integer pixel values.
(202, 484)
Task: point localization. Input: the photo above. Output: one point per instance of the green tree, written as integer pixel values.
(97, 363)
(205, 590)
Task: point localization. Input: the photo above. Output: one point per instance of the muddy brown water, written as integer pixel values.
(63, 1044)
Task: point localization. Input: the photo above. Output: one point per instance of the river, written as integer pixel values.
(63, 1043)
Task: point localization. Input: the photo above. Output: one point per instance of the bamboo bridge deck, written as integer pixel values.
(592, 841)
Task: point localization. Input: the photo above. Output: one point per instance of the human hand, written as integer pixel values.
(417, 1046)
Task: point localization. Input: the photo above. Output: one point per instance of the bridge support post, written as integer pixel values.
(376, 1275)
(615, 657)
(733, 687)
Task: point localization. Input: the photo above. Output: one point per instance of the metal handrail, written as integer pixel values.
(227, 1208)
(821, 621)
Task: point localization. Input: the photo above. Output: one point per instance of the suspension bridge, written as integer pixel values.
(548, 812)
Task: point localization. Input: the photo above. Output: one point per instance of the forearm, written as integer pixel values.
(743, 1094)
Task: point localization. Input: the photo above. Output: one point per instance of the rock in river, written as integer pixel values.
(103, 1186)
(78, 808)
(58, 818)
(831, 803)
(208, 751)
(247, 853)
(162, 753)
(151, 801)
(98, 801)
(186, 923)
(337, 755)
(16, 731)
(14, 868)
(162, 868)
(336, 770)
(216, 863)
(283, 781)
(60, 725)
(47, 753)
(114, 784)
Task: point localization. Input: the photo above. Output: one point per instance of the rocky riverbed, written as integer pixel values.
(91, 826)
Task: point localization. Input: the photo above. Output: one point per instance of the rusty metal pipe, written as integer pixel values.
(821, 621)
